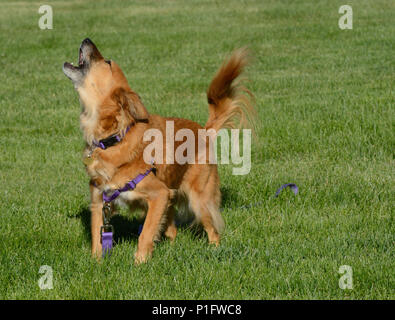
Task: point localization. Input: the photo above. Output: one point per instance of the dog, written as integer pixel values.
(110, 108)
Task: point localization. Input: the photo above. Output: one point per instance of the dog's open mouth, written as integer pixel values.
(75, 72)
(80, 62)
(87, 54)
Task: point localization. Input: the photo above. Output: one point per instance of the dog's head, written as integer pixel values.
(104, 91)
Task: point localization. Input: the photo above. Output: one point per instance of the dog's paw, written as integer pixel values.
(96, 255)
(141, 257)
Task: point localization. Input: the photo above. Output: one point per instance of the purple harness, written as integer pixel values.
(131, 185)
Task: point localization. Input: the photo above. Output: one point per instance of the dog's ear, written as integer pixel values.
(131, 103)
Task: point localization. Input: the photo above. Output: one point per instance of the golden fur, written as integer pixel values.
(109, 106)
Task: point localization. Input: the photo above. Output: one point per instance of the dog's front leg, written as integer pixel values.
(157, 205)
(96, 220)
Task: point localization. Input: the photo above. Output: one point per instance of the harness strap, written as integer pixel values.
(131, 185)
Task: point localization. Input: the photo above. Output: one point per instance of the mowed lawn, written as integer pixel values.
(325, 99)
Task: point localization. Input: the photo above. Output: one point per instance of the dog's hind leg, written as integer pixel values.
(209, 216)
(171, 229)
(204, 200)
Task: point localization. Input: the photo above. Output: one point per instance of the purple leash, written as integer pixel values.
(106, 242)
(292, 186)
(107, 230)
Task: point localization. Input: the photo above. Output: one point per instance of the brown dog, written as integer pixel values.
(111, 107)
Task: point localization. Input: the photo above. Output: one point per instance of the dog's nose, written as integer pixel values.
(87, 41)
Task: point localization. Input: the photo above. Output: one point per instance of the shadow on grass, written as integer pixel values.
(125, 229)
(230, 198)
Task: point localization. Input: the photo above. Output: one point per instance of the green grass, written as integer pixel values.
(326, 106)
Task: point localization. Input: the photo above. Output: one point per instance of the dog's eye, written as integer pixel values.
(108, 61)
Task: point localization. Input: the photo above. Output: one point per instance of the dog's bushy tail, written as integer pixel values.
(230, 103)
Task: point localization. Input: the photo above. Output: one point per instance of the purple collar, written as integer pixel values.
(115, 138)
(110, 141)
